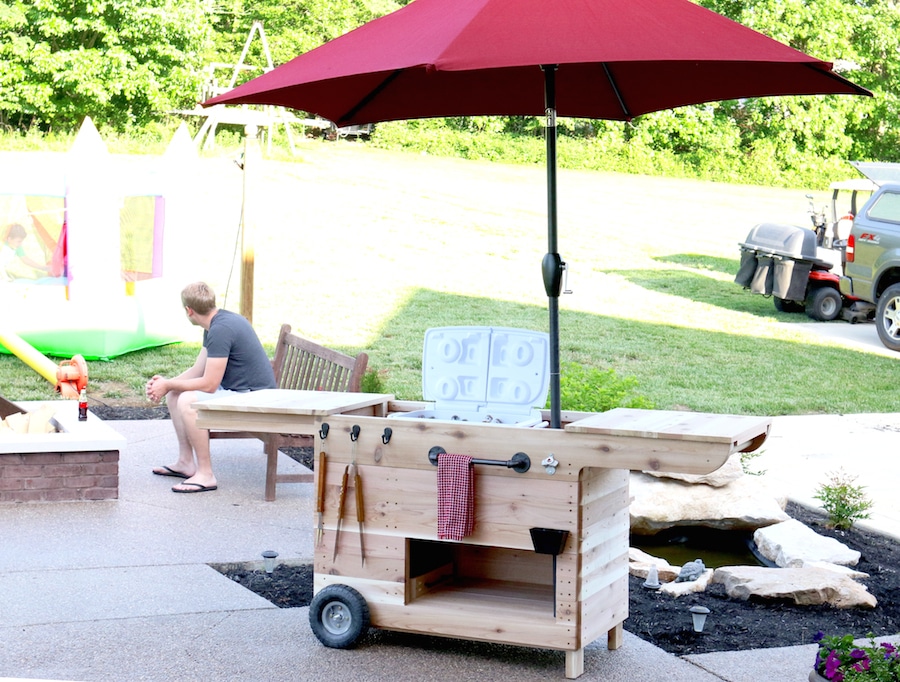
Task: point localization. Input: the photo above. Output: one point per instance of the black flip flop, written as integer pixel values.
(170, 472)
(200, 488)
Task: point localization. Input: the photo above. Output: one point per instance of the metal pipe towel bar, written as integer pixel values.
(520, 462)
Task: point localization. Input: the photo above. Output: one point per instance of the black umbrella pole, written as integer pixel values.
(552, 266)
(555, 403)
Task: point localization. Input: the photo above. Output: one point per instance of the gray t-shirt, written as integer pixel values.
(231, 336)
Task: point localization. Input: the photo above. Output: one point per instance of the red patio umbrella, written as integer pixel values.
(604, 59)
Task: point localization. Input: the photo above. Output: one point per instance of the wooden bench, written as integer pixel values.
(300, 364)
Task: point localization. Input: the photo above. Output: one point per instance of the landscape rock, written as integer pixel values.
(744, 504)
(803, 586)
(791, 543)
(843, 570)
(639, 563)
(725, 474)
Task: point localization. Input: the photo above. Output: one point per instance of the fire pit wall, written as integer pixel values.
(79, 462)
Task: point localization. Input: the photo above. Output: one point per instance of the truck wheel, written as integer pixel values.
(824, 304)
(887, 317)
(338, 616)
(784, 305)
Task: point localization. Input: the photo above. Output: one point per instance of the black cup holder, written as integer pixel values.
(549, 540)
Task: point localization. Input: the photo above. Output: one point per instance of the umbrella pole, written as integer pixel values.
(552, 265)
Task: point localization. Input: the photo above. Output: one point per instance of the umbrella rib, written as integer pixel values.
(371, 95)
(837, 77)
(612, 83)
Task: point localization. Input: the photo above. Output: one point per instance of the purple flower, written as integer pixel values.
(819, 636)
(861, 666)
(832, 663)
(857, 654)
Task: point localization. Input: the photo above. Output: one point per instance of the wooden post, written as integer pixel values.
(252, 158)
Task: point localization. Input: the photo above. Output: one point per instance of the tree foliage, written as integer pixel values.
(125, 63)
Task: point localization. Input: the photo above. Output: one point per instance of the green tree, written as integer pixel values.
(862, 39)
(125, 63)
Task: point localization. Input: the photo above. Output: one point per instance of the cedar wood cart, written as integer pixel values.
(387, 568)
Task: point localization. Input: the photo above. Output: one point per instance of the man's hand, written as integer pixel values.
(156, 388)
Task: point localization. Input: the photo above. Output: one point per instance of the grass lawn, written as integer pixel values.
(362, 249)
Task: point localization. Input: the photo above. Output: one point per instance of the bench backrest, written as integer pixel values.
(300, 364)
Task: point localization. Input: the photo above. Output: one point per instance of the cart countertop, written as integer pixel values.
(285, 401)
(666, 424)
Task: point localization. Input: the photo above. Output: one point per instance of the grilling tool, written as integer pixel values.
(320, 495)
(337, 530)
(357, 483)
(360, 516)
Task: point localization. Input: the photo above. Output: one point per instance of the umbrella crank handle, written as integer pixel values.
(565, 282)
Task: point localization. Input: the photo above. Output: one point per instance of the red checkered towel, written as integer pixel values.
(456, 496)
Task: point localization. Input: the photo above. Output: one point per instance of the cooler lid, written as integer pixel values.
(484, 369)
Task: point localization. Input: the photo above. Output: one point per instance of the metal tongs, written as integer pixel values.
(360, 514)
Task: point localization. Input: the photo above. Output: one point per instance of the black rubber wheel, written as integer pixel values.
(825, 304)
(784, 305)
(338, 616)
(887, 317)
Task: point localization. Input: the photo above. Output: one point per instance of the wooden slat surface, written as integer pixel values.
(284, 401)
(673, 425)
(412, 439)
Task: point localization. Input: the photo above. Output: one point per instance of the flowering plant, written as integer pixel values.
(841, 660)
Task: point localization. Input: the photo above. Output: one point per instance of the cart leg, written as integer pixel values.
(614, 637)
(574, 663)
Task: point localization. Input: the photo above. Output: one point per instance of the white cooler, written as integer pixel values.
(496, 375)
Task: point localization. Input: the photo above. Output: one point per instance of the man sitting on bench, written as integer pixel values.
(231, 359)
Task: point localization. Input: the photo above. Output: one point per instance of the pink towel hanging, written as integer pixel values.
(456, 496)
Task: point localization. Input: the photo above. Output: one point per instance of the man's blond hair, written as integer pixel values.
(199, 297)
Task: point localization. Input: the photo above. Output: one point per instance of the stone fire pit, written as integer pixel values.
(78, 462)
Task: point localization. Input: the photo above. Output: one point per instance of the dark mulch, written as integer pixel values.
(120, 412)
(661, 620)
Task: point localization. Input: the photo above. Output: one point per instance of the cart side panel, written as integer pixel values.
(604, 610)
(603, 551)
(403, 502)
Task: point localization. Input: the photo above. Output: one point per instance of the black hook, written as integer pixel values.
(354, 433)
(323, 431)
(386, 436)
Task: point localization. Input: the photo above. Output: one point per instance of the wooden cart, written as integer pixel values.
(386, 566)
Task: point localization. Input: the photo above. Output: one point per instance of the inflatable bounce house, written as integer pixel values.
(88, 250)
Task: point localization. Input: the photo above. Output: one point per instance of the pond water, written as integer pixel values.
(715, 547)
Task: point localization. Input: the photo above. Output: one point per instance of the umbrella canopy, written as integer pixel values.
(616, 60)
(604, 59)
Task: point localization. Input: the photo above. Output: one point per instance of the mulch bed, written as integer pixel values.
(662, 620)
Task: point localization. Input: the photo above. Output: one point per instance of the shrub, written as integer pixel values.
(373, 381)
(843, 500)
(588, 389)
